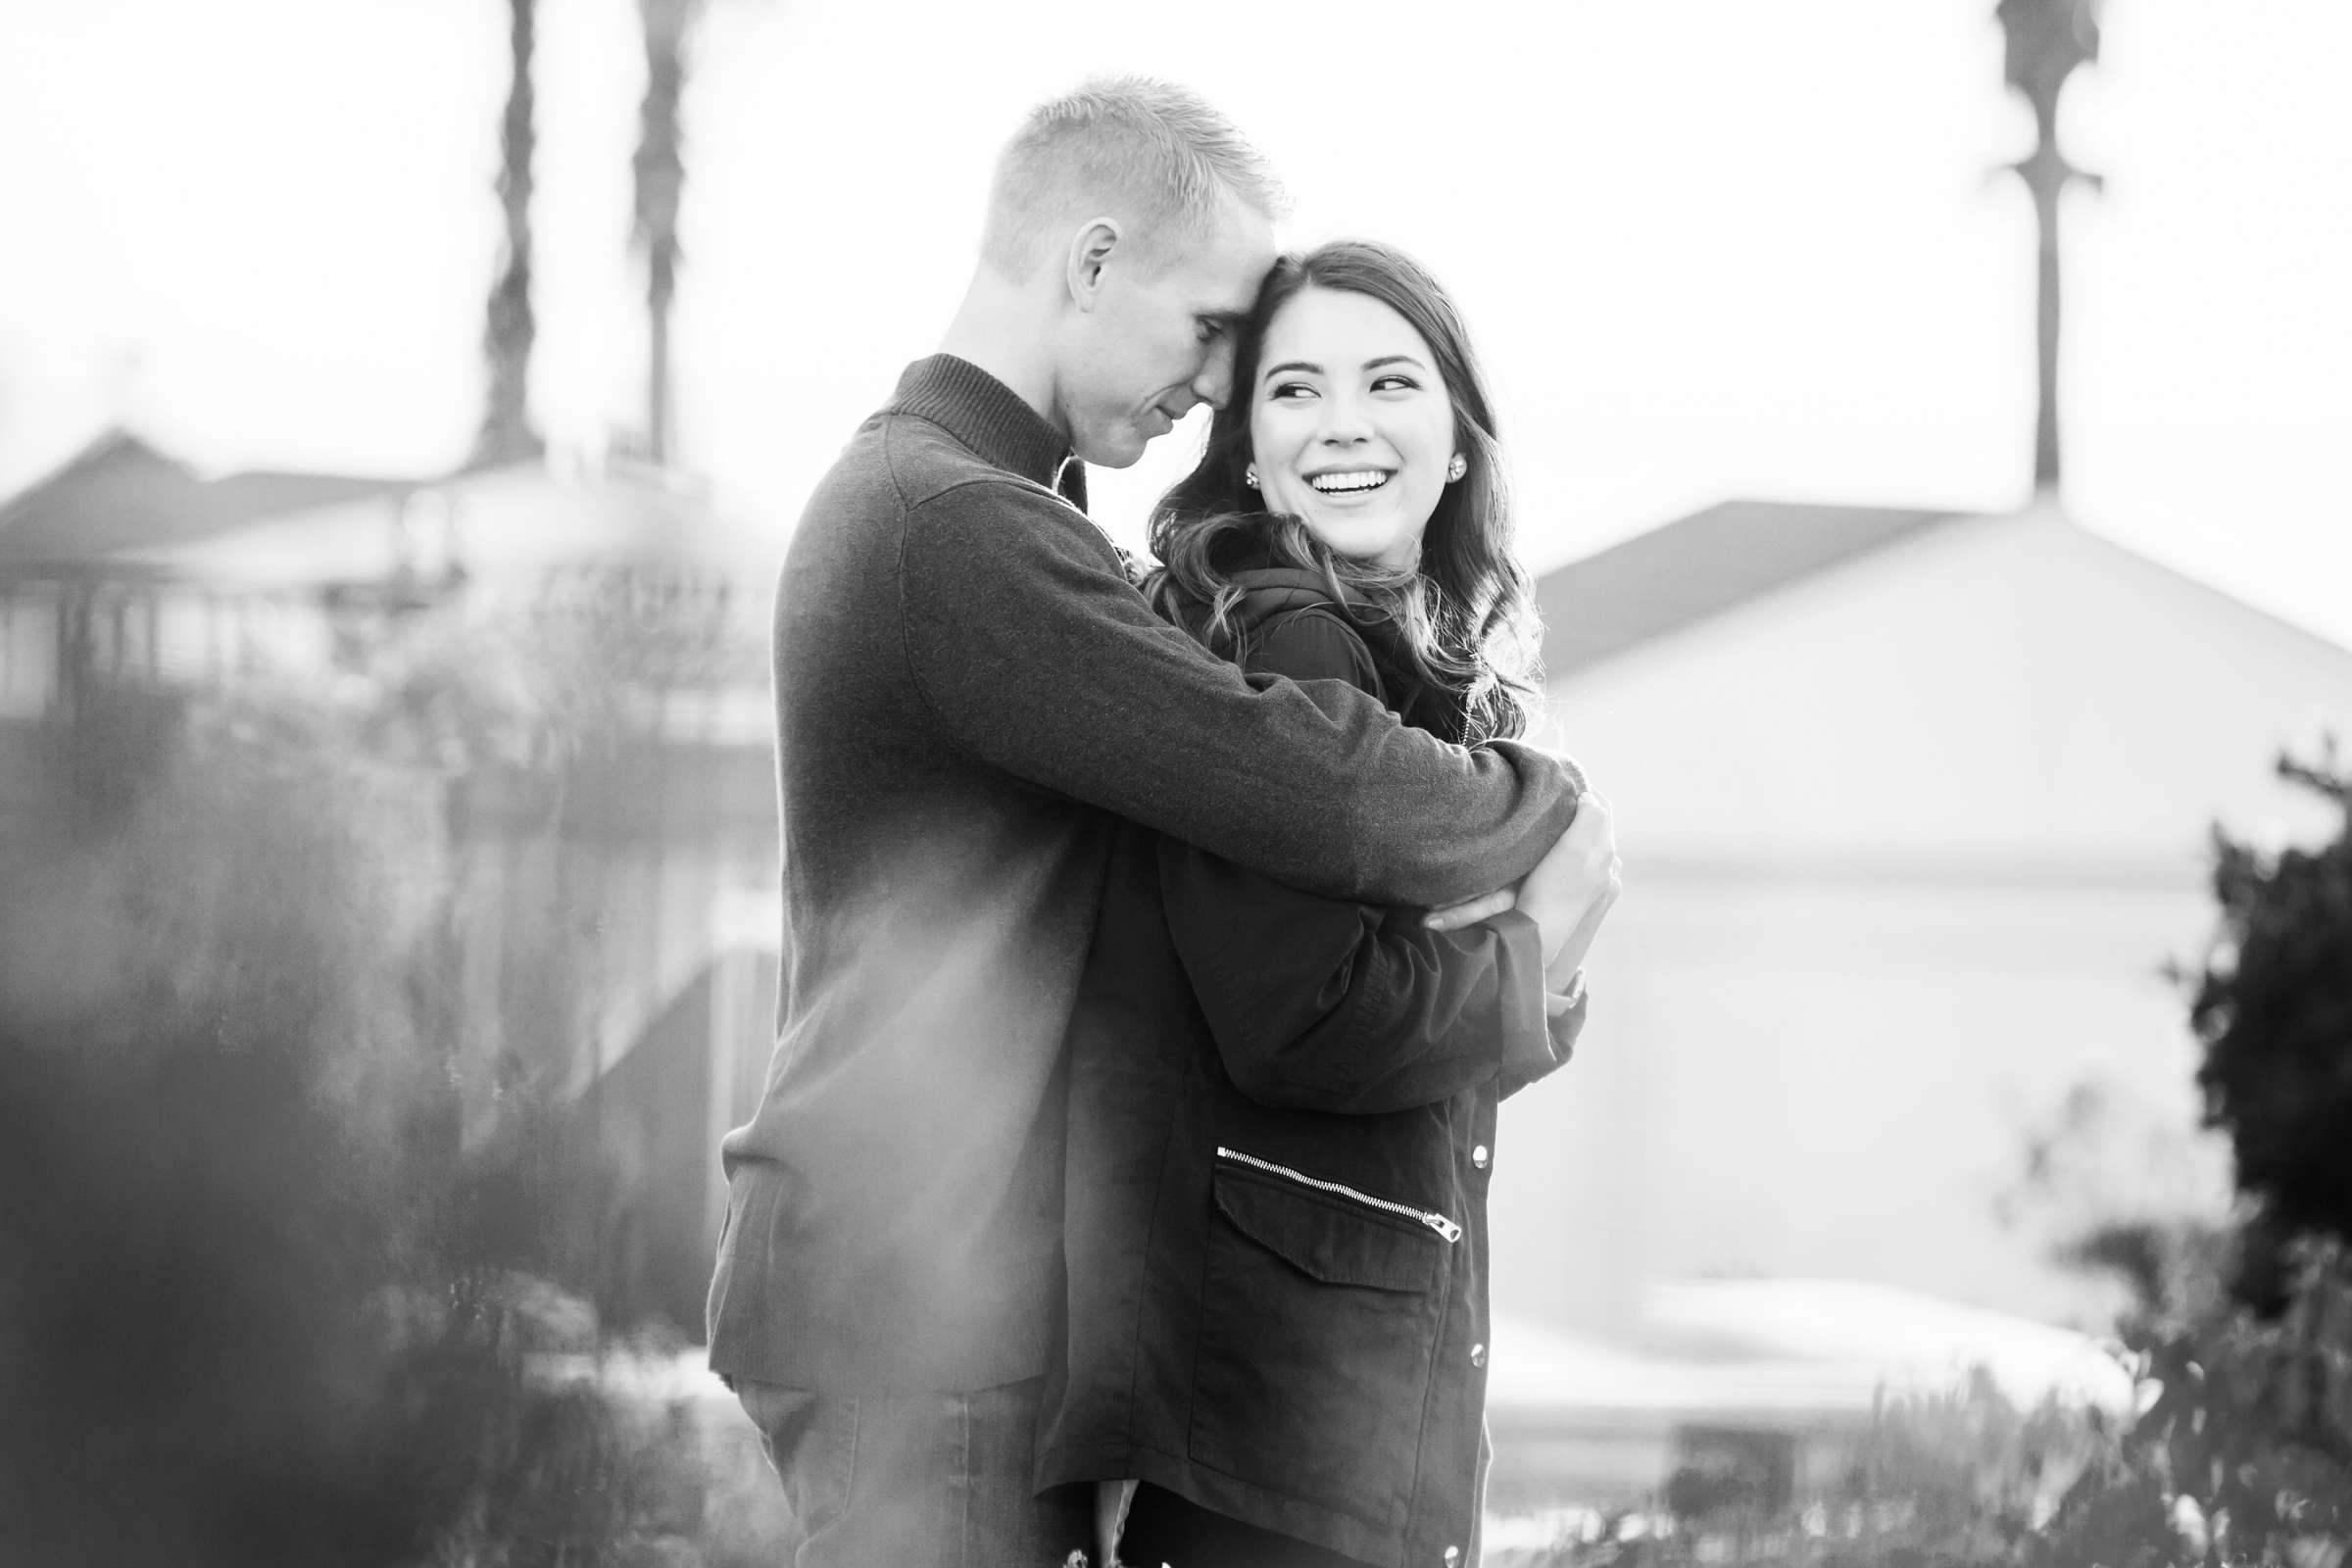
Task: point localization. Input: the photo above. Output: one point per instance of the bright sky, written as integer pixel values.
(1710, 248)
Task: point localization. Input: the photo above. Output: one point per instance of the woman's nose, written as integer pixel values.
(1343, 420)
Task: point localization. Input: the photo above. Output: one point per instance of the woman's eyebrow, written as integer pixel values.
(1288, 365)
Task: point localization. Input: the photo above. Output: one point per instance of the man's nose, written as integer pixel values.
(1214, 384)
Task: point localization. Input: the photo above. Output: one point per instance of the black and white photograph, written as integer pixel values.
(898, 784)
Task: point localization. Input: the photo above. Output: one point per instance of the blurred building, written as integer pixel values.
(613, 894)
(79, 603)
(1915, 809)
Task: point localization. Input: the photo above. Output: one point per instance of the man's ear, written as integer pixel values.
(1091, 250)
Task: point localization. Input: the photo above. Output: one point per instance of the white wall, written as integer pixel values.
(2004, 685)
(1906, 847)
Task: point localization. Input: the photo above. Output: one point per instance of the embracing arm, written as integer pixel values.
(1323, 1004)
(1036, 656)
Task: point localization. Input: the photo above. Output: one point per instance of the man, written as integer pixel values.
(967, 691)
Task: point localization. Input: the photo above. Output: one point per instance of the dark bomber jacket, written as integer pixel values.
(1282, 1123)
(967, 690)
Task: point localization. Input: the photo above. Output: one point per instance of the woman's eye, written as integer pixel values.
(1290, 391)
(1395, 384)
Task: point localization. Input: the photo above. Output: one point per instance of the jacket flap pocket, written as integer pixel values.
(1329, 1239)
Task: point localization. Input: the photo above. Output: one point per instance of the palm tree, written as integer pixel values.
(661, 177)
(2047, 40)
(507, 434)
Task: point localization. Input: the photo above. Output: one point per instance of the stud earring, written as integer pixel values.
(1249, 477)
(1457, 467)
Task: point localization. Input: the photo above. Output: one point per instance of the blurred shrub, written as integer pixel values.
(2242, 1450)
(2273, 1008)
(260, 1301)
(1952, 1477)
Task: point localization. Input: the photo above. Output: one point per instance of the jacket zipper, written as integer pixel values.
(1436, 1222)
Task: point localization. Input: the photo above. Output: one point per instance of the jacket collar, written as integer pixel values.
(1270, 588)
(1271, 585)
(990, 418)
(1268, 591)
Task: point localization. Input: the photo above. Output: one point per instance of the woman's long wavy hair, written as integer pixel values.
(1466, 615)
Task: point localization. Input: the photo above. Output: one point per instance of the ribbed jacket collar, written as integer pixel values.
(990, 418)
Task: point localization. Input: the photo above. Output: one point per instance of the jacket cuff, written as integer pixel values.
(1569, 1022)
(1526, 1051)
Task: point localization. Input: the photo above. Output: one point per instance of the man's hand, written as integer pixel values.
(1573, 888)
(1568, 894)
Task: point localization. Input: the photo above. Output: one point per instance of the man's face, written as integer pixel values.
(1158, 344)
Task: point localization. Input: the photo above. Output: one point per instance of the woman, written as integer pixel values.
(1282, 1109)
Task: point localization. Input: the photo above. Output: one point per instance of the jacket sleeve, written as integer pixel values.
(1035, 655)
(1322, 1004)
(1565, 1028)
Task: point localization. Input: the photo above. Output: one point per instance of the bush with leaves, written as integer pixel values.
(261, 1302)
(2273, 1008)
(1959, 1477)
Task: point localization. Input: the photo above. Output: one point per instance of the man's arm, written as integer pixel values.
(1324, 1005)
(1036, 656)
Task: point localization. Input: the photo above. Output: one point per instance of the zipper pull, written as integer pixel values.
(1443, 1226)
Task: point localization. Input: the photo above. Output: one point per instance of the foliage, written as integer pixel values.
(2048, 39)
(1959, 1476)
(219, 1095)
(2273, 1008)
(2239, 1457)
(264, 1300)
(2247, 1427)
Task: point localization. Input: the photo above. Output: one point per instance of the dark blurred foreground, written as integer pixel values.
(330, 1233)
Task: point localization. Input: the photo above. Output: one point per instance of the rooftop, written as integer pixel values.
(121, 494)
(1685, 571)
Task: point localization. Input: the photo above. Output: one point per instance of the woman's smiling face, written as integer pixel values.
(1351, 425)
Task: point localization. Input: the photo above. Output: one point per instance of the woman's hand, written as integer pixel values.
(1454, 916)
(1573, 888)
(1560, 975)
(1568, 894)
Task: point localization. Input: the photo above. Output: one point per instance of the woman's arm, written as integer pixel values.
(1323, 1004)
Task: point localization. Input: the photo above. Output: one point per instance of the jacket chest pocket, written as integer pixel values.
(1320, 1311)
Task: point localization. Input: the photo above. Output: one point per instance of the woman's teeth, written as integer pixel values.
(1342, 483)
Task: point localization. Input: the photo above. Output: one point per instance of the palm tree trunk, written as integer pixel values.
(2047, 40)
(507, 434)
(661, 177)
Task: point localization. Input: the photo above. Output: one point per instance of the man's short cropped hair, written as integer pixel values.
(1128, 146)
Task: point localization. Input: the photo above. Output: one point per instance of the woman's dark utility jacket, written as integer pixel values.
(1281, 1131)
